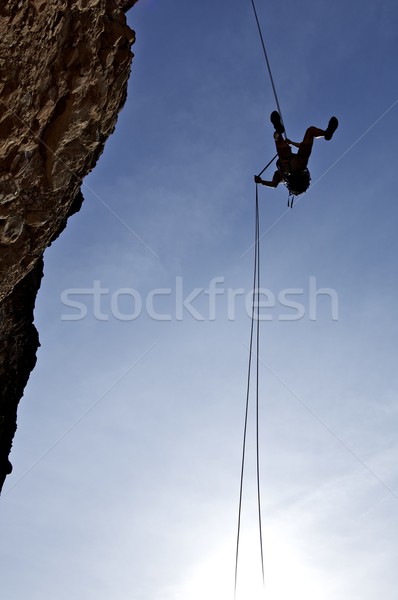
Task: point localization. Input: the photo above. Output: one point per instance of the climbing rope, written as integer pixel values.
(254, 333)
(267, 61)
(257, 288)
(271, 78)
(267, 165)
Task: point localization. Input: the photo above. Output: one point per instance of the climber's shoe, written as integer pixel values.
(331, 128)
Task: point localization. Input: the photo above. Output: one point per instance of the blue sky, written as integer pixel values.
(127, 454)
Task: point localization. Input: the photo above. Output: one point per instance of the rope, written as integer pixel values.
(257, 385)
(255, 314)
(268, 164)
(267, 61)
(247, 402)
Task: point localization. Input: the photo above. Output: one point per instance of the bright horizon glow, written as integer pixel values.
(287, 574)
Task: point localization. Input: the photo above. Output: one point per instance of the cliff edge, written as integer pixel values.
(64, 68)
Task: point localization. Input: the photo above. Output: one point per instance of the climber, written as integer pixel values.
(292, 167)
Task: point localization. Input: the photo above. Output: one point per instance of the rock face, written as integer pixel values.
(19, 342)
(64, 67)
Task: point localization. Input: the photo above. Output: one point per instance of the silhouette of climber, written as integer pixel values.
(292, 167)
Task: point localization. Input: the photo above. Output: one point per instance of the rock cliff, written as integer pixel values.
(64, 67)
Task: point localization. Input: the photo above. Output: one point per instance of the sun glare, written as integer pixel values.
(286, 574)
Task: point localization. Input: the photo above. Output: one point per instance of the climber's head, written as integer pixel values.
(298, 182)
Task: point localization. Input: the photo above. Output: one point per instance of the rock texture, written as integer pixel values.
(19, 342)
(126, 4)
(64, 67)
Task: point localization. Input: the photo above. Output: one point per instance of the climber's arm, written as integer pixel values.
(276, 179)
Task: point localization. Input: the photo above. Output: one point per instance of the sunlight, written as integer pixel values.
(286, 574)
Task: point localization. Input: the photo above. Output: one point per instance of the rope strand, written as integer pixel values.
(247, 396)
(267, 61)
(255, 314)
(268, 164)
(257, 386)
